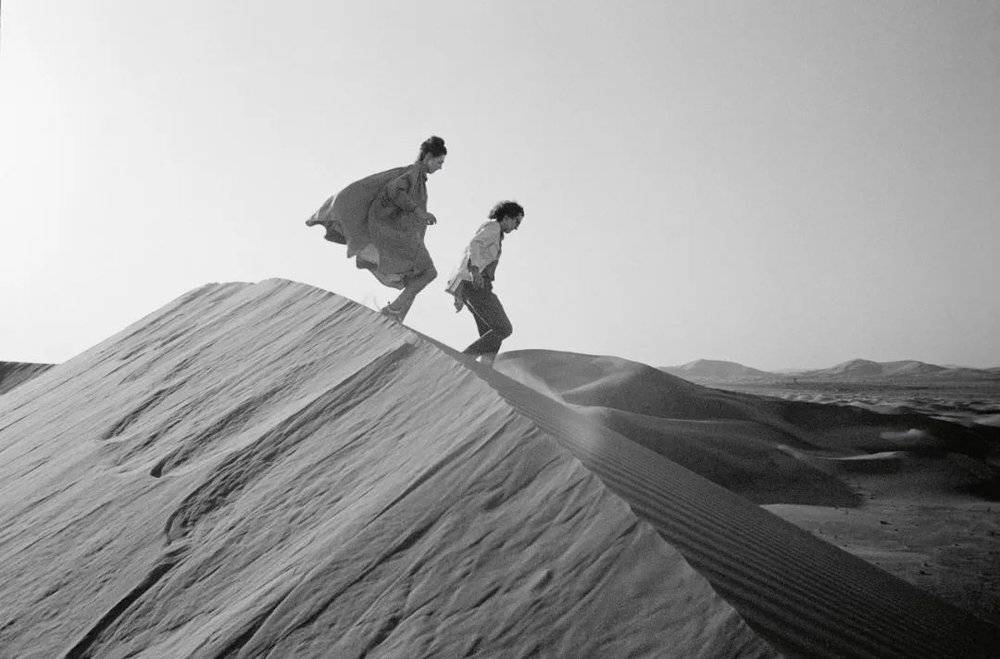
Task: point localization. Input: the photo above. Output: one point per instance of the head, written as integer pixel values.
(509, 214)
(432, 153)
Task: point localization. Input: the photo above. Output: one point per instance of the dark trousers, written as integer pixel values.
(491, 319)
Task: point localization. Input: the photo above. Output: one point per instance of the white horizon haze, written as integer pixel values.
(785, 185)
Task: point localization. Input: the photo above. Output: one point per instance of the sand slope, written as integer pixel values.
(273, 470)
(598, 383)
(919, 489)
(719, 371)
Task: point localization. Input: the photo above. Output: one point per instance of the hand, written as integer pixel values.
(459, 304)
(477, 279)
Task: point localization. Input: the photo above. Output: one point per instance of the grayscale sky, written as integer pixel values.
(783, 184)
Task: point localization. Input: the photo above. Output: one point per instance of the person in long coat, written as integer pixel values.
(382, 219)
(472, 282)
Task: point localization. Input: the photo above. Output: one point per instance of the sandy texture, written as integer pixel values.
(271, 470)
(928, 492)
(14, 373)
(926, 518)
(921, 486)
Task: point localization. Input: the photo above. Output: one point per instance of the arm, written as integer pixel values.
(398, 191)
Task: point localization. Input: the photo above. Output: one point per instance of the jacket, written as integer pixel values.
(375, 218)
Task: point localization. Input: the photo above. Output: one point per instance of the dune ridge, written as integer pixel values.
(788, 585)
(272, 468)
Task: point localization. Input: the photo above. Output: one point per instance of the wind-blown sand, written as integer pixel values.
(272, 469)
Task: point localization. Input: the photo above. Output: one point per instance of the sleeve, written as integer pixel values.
(397, 190)
(485, 246)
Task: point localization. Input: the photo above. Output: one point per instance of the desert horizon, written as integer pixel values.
(856, 367)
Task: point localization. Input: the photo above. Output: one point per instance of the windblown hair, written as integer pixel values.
(433, 145)
(506, 209)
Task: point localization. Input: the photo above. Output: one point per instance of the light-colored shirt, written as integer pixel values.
(483, 250)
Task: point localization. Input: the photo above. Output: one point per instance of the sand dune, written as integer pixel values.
(625, 386)
(906, 372)
(272, 469)
(872, 468)
(719, 370)
(908, 367)
(808, 597)
(714, 433)
(14, 373)
(966, 403)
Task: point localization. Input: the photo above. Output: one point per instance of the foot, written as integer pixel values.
(390, 312)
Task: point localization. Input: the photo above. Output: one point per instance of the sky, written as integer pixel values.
(782, 184)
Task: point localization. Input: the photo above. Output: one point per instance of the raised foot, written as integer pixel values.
(394, 314)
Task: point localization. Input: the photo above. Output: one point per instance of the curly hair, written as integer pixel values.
(433, 145)
(506, 209)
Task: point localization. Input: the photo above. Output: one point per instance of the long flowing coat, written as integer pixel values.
(376, 218)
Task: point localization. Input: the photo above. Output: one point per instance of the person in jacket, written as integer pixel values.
(382, 219)
(472, 283)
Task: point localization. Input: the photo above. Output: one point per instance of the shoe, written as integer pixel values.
(394, 314)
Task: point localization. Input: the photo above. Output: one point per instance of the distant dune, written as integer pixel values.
(910, 367)
(854, 370)
(14, 373)
(909, 489)
(270, 469)
(719, 371)
(714, 433)
(866, 370)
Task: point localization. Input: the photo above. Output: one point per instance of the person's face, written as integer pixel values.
(509, 223)
(433, 163)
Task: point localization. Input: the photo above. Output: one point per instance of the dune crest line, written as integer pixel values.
(340, 486)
